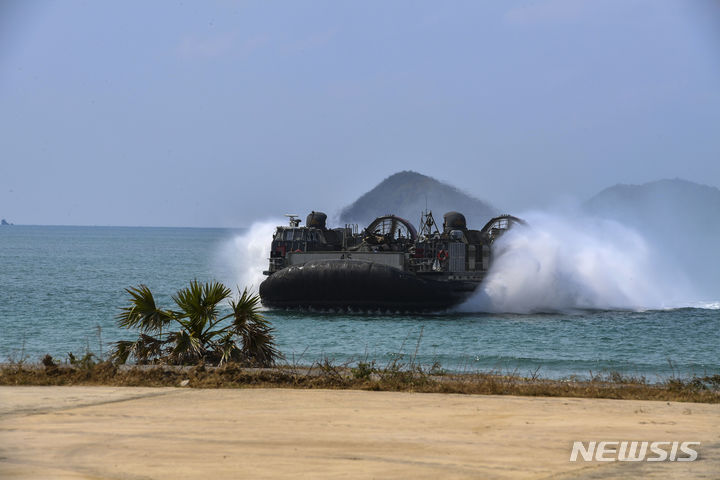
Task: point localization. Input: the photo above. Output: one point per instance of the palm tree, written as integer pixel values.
(197, 331)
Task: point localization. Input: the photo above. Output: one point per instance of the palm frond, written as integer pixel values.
(143, 350)
(228, 349)
(199, 333)
(256, 333)
(143, 313)
(199, 303)
(246, 309)
(259, 344)
(187, 348)
(121, 352)
(214, 293)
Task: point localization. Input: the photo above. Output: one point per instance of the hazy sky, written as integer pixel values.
(217, 113)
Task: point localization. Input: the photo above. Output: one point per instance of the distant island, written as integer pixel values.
(672, 208)
(406, 194)
(678, 216)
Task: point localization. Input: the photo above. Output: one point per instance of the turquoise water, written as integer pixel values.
(60, 288)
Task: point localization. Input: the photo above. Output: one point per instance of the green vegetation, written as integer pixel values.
(396, 376)
(196, 332)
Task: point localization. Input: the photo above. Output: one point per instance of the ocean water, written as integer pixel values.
(61, 287)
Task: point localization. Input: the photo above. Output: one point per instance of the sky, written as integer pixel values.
(219, 113)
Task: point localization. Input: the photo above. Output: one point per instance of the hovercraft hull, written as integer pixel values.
(359, 285)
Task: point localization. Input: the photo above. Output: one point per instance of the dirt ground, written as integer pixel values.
(158, 433)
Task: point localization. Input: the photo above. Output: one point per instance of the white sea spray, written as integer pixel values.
(560, 264)
(245, 256)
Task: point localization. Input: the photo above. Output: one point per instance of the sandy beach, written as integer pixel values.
(157, 433)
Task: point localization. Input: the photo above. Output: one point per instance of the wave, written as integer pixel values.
(698, 306)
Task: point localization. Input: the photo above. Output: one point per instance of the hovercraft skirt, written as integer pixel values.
(357, 284)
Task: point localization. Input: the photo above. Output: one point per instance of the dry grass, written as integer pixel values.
(396, 376)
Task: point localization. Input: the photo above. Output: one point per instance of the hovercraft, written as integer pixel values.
(388, 266)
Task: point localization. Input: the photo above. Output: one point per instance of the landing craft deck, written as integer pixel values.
(389, 265)
(391, 259)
